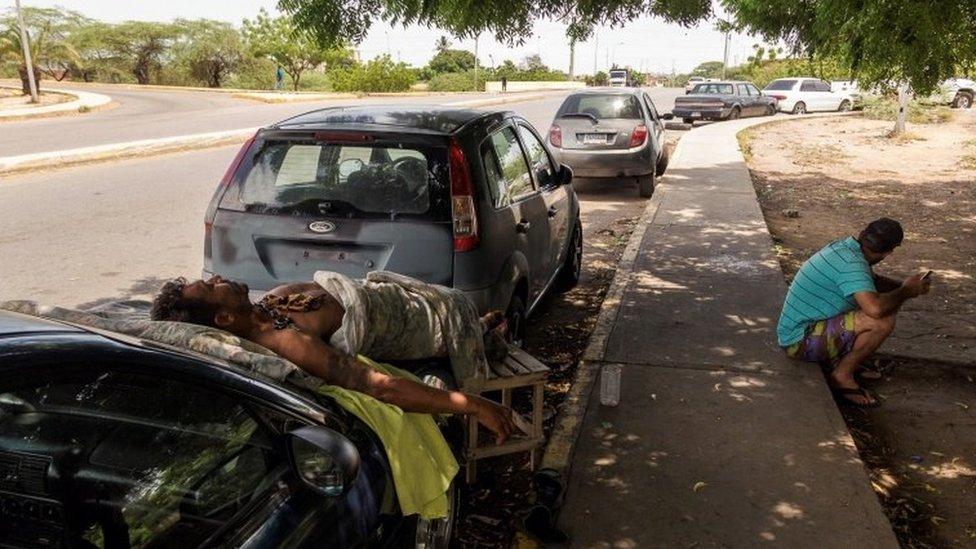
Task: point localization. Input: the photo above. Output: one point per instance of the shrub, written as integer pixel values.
(254, 74)
(456, 82)
(313, 81)
(378, 75)
(882, 108)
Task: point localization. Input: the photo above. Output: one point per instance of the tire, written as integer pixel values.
(662, 163)
(437, 533)
(572, 267)
(962, 100)
(645, 184)
(799, 108)
(735, 114)
(515, 315)
(845, 106)
(770, 110)
(690, 121)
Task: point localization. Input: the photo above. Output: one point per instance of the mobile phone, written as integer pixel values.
(927, 275)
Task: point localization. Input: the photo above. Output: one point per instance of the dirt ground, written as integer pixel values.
(821, 179)
(13, 99)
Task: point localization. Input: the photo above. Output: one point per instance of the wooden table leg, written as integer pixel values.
(471, 468)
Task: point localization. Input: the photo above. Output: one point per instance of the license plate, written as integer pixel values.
(696, 114)
(594, 139)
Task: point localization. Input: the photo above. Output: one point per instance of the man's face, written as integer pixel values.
(225, 296)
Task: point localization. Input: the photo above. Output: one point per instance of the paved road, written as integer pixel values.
(148, 114)
(79, 235)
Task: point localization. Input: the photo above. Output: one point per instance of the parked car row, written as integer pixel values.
(723, 100)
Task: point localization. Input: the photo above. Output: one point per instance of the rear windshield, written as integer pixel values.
(781, 85)
(601, 107)
(713, 89)
(324, 177)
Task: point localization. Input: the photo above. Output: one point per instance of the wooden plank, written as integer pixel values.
(471, 471)
(514, 382)
(528, 361)
(522, 445)
(515, 366)
(501, 369)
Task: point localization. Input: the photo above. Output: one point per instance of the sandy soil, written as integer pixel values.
(821, 179)
(13, 99)
(818, 180)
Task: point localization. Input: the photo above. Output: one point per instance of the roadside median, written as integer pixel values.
(83, 102)
(149, 147)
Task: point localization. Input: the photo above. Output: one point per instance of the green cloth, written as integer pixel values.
(422, 463)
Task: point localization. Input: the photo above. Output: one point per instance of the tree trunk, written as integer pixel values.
(25, 82)
(902, 110)
(294, 80)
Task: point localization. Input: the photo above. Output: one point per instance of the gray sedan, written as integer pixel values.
(611, 132)
(723, 101)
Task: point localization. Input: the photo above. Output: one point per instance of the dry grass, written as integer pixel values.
(818, 155)
(968, 162)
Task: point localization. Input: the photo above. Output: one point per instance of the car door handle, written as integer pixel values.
(523, 226)
(553, 211)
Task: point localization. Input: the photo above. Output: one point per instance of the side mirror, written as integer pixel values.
(564, 176)
(323, 460)
(667, 116)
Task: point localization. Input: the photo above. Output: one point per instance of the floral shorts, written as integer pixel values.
(826, 341)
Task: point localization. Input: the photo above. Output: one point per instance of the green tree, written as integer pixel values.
(143, 45)
(378, 75)
(448, 60)
(708, 69)
(48, 32)
(280, 40)
(97, 59)
(442, 44)
(211, 50)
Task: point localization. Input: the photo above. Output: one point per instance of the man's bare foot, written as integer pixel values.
(848, 389)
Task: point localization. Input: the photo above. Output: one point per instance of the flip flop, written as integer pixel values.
(842, 393)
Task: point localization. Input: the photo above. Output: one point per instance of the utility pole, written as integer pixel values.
(725, 56)
(476, 87)
(596, 51)
(572, 58)
(31, 83)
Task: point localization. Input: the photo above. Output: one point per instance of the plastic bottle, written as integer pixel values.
(610, 384)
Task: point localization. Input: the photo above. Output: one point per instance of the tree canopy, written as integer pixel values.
(880, 41)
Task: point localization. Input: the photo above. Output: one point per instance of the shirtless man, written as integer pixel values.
(296, 321)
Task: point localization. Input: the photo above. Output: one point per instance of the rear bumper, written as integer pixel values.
(700, 114)
(609, 163)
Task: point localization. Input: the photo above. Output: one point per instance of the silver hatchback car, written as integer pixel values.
(611, 132)
(463, 198)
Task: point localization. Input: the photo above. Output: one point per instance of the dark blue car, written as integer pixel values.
(110, 441)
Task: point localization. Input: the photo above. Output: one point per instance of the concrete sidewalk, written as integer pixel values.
(719, 440)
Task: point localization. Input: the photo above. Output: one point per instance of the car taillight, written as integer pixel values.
(225, 182)
(556, 136)
(462, 201)
(639, 136)
(777, 97)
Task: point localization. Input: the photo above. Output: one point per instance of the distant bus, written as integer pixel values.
(618, 78)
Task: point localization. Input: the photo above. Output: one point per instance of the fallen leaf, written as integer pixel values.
(699, 486)
(937, 520)
(930, 488)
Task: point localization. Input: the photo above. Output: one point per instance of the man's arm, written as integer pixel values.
(335, 368)
(877, 305)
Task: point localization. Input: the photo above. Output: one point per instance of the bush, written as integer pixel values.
(378, 75)
(253, 74)
(883, 108)
(312, 81)
(456, 82)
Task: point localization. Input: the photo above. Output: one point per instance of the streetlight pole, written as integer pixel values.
(596, 51)
(28, 63)
(725, 56)
(572, 58)
(476, 62)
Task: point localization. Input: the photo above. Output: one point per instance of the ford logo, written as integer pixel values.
(321, 227)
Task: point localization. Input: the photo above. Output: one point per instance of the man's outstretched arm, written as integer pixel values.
(335, 368)
(878, 305)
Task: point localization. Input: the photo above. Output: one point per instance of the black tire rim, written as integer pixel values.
(800, 108)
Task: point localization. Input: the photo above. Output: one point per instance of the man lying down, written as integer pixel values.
(324, 325)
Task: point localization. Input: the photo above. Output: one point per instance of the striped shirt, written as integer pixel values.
(824, 288)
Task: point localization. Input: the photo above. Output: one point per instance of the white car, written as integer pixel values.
(802, 95)
(959, 92)
(692, 82)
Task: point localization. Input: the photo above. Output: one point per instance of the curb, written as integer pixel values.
(146, 147)
(117, 151)
(562, 441)
(86, 100)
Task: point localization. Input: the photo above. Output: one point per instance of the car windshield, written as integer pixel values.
(601, 106)
(713, 89)
(781, 85)
(364, 178)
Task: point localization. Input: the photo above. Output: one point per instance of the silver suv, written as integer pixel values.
(458, 197)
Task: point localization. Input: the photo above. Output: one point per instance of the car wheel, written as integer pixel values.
(662, 163)
(770, 110)
(845, 106)
(962, 100)
(645, 184)
(736, 112)
(800, 108)
(688, 120)
(569, 274)
(437, 533)
(515, 316)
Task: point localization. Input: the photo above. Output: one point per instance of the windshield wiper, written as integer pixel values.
(581, 115)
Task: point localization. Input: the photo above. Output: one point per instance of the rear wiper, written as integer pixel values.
(581, 115)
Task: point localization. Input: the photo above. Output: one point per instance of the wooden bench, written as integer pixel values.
(519, 370)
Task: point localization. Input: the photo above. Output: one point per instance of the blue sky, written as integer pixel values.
(645, 43)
